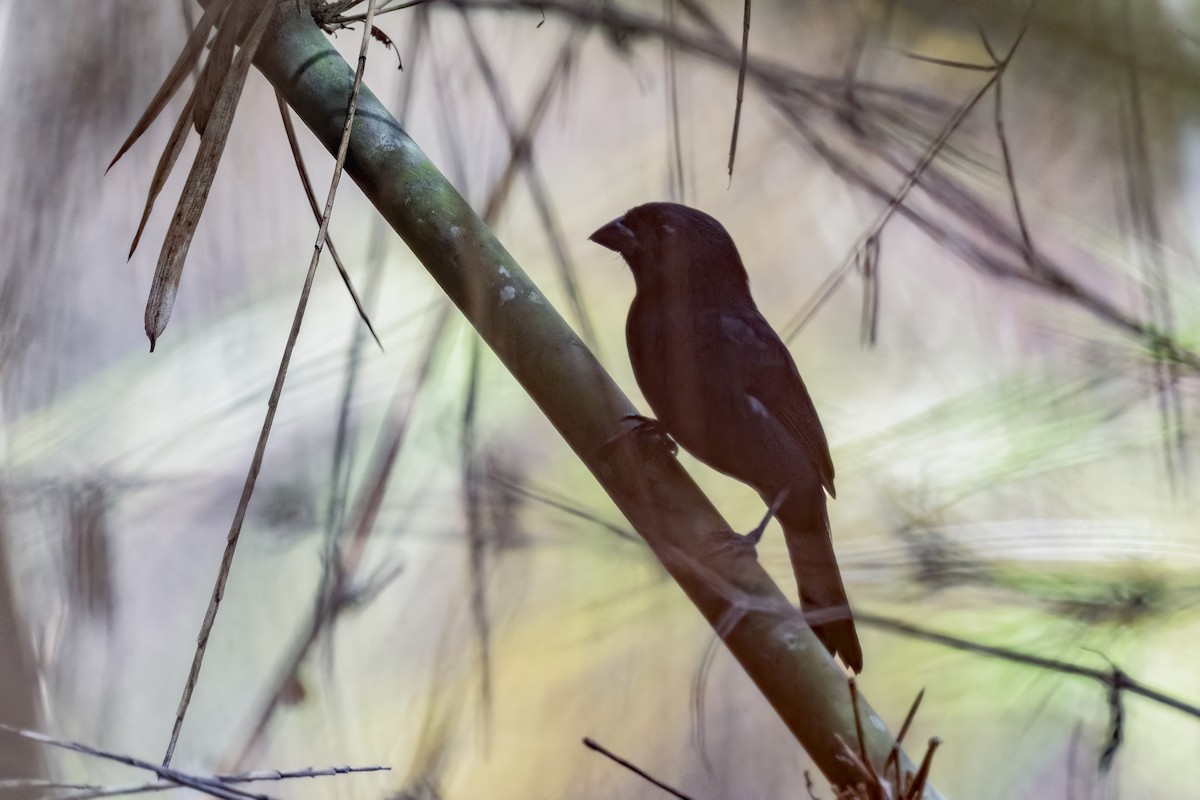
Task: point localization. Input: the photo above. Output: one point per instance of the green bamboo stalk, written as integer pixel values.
(721, 576)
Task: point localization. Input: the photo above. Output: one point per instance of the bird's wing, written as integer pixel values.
(772, 380)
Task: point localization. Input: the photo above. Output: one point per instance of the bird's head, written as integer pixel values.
(674, 248)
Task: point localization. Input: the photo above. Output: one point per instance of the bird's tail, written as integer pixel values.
(822, 595)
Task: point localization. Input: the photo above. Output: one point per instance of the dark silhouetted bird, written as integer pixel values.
(724, 386)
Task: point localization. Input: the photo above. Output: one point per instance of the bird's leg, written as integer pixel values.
(753, 537)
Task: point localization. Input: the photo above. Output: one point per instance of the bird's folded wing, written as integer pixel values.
(771, 379)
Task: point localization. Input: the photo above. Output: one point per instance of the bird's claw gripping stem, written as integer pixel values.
(636, 424)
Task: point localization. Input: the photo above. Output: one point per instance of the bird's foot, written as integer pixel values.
(638, 425)
(636, 440)
(753, 537)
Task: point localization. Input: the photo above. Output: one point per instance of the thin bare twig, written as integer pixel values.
(43, 783)
(306, 182)
(867, 262)
(741, 88)
(331, 12)
(343, 445)
(555, 76)
(873, 784)
(676, 188)
(918, 784)
(342, 561)
(945, 62)
(1116, 715)
(272, 403)
(858, 730)
(713, 46)
(520, 157)
(97, 792)
(895, 204)
(796, 94)
(205, 785)
(521, 148)
(386, 9)
(1110, 678)
(634, 768)
(893, 757)
(1006, 155)
(451, 127)
(346, 551)
(564, 504)
(476, 538)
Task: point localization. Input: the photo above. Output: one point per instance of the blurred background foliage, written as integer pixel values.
(1014, 469)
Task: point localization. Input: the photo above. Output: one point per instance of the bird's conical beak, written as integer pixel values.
(616, 236)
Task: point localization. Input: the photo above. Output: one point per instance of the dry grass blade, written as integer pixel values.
(199, 181)
(187, 59)
(216, 67)
(166, 163)
(235, 529)
(294, 144)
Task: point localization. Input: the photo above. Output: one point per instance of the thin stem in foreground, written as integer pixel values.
(239, 517)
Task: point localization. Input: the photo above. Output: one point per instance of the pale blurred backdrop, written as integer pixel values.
(1010, 469)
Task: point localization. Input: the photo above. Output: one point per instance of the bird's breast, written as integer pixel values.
(670, 353)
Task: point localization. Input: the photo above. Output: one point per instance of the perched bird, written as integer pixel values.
(724, 386)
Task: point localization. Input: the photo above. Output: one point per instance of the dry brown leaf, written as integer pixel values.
(166, 163)
(199, 181)
(216, 67)
(183, 65)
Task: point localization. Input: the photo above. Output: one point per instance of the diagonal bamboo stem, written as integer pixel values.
(721, 576)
